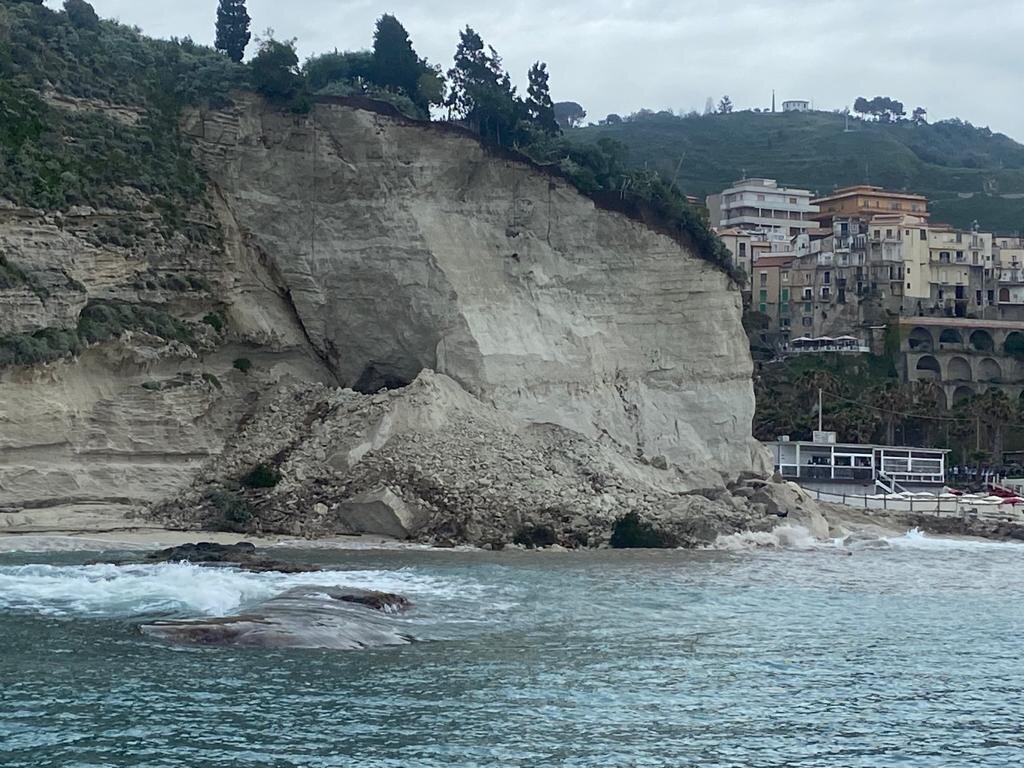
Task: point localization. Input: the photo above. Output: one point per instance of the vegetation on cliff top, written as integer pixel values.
(92, 110)
(942, 160)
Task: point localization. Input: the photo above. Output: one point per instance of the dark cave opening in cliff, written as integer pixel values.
(378, 376)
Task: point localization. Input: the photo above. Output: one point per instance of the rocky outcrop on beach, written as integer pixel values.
(424, 338)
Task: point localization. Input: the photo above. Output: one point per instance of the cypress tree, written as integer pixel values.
(232, 28)
(538, 102)
(396, 65)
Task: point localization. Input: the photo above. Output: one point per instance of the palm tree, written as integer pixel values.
(995, 410)
(894, 401)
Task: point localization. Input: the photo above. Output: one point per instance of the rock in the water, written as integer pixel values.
(303, 617)
(242, 555)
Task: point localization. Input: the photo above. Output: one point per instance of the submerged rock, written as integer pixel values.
(241, 555)
(304, 617)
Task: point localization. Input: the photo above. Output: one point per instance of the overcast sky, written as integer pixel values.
(954, 57)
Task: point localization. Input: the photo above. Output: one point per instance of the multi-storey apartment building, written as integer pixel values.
(771, 290)
(761, 204)
(962, 278)
(866, 202)
(1008, 257)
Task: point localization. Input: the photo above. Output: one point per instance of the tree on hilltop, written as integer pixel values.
(569, 114)
(481, 92)
(882, 108)
(725, 106)
(232, 28)
(81, 14)
(396, 65)
(538, 102)
(919, 116)
(275, 68)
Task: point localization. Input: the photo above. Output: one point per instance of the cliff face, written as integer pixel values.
(355, 249)
(404, 247)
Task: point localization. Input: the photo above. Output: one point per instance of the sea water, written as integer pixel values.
(895, 652)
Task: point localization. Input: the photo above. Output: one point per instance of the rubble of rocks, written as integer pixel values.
(432, 463)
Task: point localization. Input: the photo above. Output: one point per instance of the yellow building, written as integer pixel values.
(770, 289)
(866, 202)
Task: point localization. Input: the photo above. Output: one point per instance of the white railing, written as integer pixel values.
(956, 507)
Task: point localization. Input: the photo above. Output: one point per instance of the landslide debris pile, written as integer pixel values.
(431, 462)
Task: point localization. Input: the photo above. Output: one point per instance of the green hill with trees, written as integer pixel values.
(969, 173)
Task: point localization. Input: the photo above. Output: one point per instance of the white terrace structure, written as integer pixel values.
(825, 464)
(965, 357)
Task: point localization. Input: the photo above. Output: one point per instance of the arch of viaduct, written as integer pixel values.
(964, 358)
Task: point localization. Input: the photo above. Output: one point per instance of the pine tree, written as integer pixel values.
(538, 102)
(481, 92)
(232, 28)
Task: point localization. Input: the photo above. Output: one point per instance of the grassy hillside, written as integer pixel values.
(944, 161)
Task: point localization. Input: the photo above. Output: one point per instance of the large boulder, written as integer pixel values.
(381, 512)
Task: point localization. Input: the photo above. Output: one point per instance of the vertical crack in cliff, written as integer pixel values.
(277, 284)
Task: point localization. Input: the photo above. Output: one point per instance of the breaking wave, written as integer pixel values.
(182, 589)
(797, 537)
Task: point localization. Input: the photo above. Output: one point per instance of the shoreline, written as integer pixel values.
(82, 528)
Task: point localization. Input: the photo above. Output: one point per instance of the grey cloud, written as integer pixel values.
(952, 57)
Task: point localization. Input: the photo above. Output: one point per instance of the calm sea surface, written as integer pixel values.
(904, 655)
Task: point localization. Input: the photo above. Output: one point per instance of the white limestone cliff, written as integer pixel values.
(404, 247)
(358, 249)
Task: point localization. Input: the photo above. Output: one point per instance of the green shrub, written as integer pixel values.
(261, 476)
(215, 320)
(98, 321)
(243, 364)
(234, 511)
(209, 378)
(630, 532)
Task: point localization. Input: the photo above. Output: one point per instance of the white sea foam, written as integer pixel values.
(796, 537)
(783, 537)
(135, 590)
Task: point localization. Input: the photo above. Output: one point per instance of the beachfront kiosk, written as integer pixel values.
(826, 465)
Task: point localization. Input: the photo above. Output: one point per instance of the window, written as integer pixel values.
(922, 234)
(959, 255)
(824, 292)
(888, 234)
(806, 321)
(763, 296)
(743, 250)
(760, 197)
(959, 237)
(784, 295)
(784, 322)
(792, 201)
(908, 286)
(974, 256)
(807, 308)
(878, 234)
(991, 296)
(785, 277)
(807, 293)
(826, 278)
(941, 294)
(764, 278)
(763, 309)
